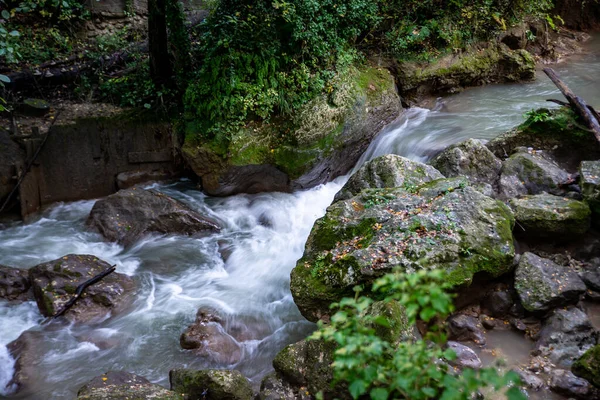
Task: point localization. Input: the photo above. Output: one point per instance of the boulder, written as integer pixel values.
(130, 214)
(388, 171)
(465, 356)
(25, 351)
(545, 216)
(397, 329)
(497, 303)
(565, 336)
(465, 328)
(530, 173)
(273, 387)
(323, 140)
(558, 134)
(543, 285)
(590, 184)
(211, 384)
(118, 385)
(55, 283)
(207, 338)
(565, 383)
(14, 284)
(471, 159)
(588, 366)
(444, 224)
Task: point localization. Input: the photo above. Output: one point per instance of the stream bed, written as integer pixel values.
(263, 236)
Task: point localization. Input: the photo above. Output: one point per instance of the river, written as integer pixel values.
(265, 236)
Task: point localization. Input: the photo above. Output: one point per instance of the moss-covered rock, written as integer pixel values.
(588, 366)
(322, 141)
(548, 216)
(441, 224)
(590, 184)
(530, 173)
(388, 171)
(118, 385)
(395, 315)
(543, 285)
(211, 384)
(471, 159)
(558, 133)
(495, 63)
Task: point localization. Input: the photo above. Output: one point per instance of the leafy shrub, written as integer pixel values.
(412, 369)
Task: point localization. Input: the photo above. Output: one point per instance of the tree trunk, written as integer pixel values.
(160, 62)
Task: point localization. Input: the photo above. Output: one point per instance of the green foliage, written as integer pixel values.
(55, 10)
(413, 369)
(537, 115)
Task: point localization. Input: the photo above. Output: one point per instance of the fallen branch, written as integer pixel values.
(81, 288)
(576, 102)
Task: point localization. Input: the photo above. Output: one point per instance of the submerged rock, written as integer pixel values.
(590, 184)
(471, 159)
(130, 214)
(524, 173)
(444, 224)
(211, 384)
(548, 216)
(119, 385)
(14, 284)
(543, 285)
(565, 336)
(25, 351)
(388, 171)
(588, 366)
(207, 338)
(55, 283)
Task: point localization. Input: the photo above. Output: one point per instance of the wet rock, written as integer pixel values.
(465, 328)
(530, 379)
(388, 171)
(543, 285)
(130, 214)
(443, 224)
(207, 338)
(530, 173)
(465, 356)
(588, 366)
(491, 323)
(497, 303)
(211, 384)
(55, 283)
(274, 388)
(590, 184)
(14, 284)
(471, 159)
(565, 336)
(565, 383)
(552, 217)
(25, 352)
(118, 385)
(591, 278)
(128, 179)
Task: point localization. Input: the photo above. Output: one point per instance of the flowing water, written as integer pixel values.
(264, 236)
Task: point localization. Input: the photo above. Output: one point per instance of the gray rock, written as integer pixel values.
(471, 159)
(211, 384)
(591, 278)
(524, 173)
(565, 336)
(546, 216)
(118, 385)
(464, 328)
(55, 282)
(130, 214)
(389, 171)
(465, 356)
(565, 383)
(543, 285)
(497, 303)
(275, 388)
(207, 337)
(590, 184)
(14, 284)
(25, 351)
(530, 379)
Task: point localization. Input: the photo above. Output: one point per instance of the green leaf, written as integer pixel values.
(379, 394)
(14, 33)
(514, 393)
(382, 321)
(5, 14)
(4, 78)
(357, 388)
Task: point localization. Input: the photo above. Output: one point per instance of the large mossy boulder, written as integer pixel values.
(547, 216)
(494, 64)
(388, 171)
(119, 385)
(590, 184)
(588, 366)
(321, 141)
(558, 134)
(470, 159)
(442, 224)
(130, 214)
(55, 283)
(530, 173)
(543, 285)
(211, 384)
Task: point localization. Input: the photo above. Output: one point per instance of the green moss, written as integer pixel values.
(588, 366)
(329, 232)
